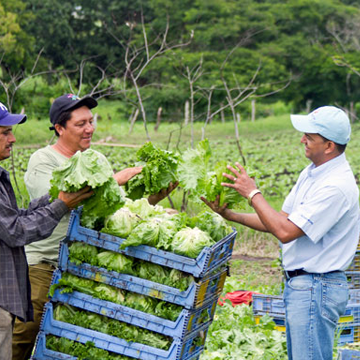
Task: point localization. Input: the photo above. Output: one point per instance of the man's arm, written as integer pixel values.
(19, 228)
(250, 220)
(277, 223)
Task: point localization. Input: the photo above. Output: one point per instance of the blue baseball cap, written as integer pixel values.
(328, 121)
(7, 119)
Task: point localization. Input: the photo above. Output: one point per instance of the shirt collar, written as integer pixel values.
(315, 171)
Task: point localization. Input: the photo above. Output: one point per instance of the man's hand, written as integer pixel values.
(123, 176)
(155, 198)
(242, 182)
(71, 200)
(215, 206)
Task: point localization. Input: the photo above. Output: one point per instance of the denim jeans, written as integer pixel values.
(313, 305)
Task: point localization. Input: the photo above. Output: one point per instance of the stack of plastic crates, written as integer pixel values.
(353, 271)
(348, 354)
(187, 333)
(348, 324)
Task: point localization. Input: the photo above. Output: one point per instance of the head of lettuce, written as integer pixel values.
(89, 168)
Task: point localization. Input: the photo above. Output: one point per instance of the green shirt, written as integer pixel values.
(37, 181)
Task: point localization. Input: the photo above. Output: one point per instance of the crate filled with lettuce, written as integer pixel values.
(191, 253)
(195, 295)
(136, 309)
(76, 324)
(195, 245)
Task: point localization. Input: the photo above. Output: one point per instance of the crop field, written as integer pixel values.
(271, 147)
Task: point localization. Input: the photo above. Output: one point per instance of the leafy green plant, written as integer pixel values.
(89, 168)
(159, 170)
(93, 321)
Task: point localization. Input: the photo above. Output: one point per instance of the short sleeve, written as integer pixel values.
(317, 215)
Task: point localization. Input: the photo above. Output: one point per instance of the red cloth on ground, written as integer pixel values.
(237, 297)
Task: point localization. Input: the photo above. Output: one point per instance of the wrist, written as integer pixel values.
(252, 194)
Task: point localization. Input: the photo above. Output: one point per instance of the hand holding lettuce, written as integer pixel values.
(159, 170)
(89, 168)
(202, 178)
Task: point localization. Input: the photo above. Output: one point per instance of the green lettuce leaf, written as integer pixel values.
(89, 168)
(190, 242)
(201, 178)
(159, 169)
(213, 224)
(120, 223)
(114, 261)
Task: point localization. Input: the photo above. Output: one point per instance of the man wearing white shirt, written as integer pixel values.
(318, 228)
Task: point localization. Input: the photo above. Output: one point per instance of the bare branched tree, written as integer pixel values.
(347, 39)
(192, 76)
(138, 58)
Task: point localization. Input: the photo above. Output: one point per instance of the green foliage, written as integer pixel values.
(109, 326)
(273, 39)
(159, 170)
(89, 168)
(81, 351)
(83, 253)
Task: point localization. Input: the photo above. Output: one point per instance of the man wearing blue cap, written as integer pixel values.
(318, 228)
(19, 227)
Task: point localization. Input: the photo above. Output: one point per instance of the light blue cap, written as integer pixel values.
(328, 121)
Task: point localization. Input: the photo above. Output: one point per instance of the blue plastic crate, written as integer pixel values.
(42, 353)
(355, 264)
(353, 278)
(350, 332)
(196, 296)
(275, 307)
(187, 322)
(268, 304)
(186, 349)
(347, 334)
(347, 354)
(209, 259)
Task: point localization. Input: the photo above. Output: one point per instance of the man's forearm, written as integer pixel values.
(250, 220)
(276, 223)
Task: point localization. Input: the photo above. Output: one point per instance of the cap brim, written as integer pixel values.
(86, 101)
(303, 124)
(13, 119)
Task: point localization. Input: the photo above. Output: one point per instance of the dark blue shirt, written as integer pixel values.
(19, 227)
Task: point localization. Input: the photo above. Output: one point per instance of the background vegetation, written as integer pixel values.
(193, 50)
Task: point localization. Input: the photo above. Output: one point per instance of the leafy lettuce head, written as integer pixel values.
(89, 168)
(121, 223)
(213, 224)
(190, 242)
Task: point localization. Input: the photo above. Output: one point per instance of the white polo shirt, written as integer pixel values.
(324, 204)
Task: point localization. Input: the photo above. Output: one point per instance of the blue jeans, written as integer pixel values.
(313, 305)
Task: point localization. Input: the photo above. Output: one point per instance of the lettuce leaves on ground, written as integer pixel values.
(159, 170)
(89, 168)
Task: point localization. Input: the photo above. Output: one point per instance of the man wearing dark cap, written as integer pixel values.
(72, 120)
(318, 229)
(19, 227)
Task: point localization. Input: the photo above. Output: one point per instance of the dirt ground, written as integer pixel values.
(256, 261)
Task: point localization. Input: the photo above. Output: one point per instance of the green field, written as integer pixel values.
(270, 145)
